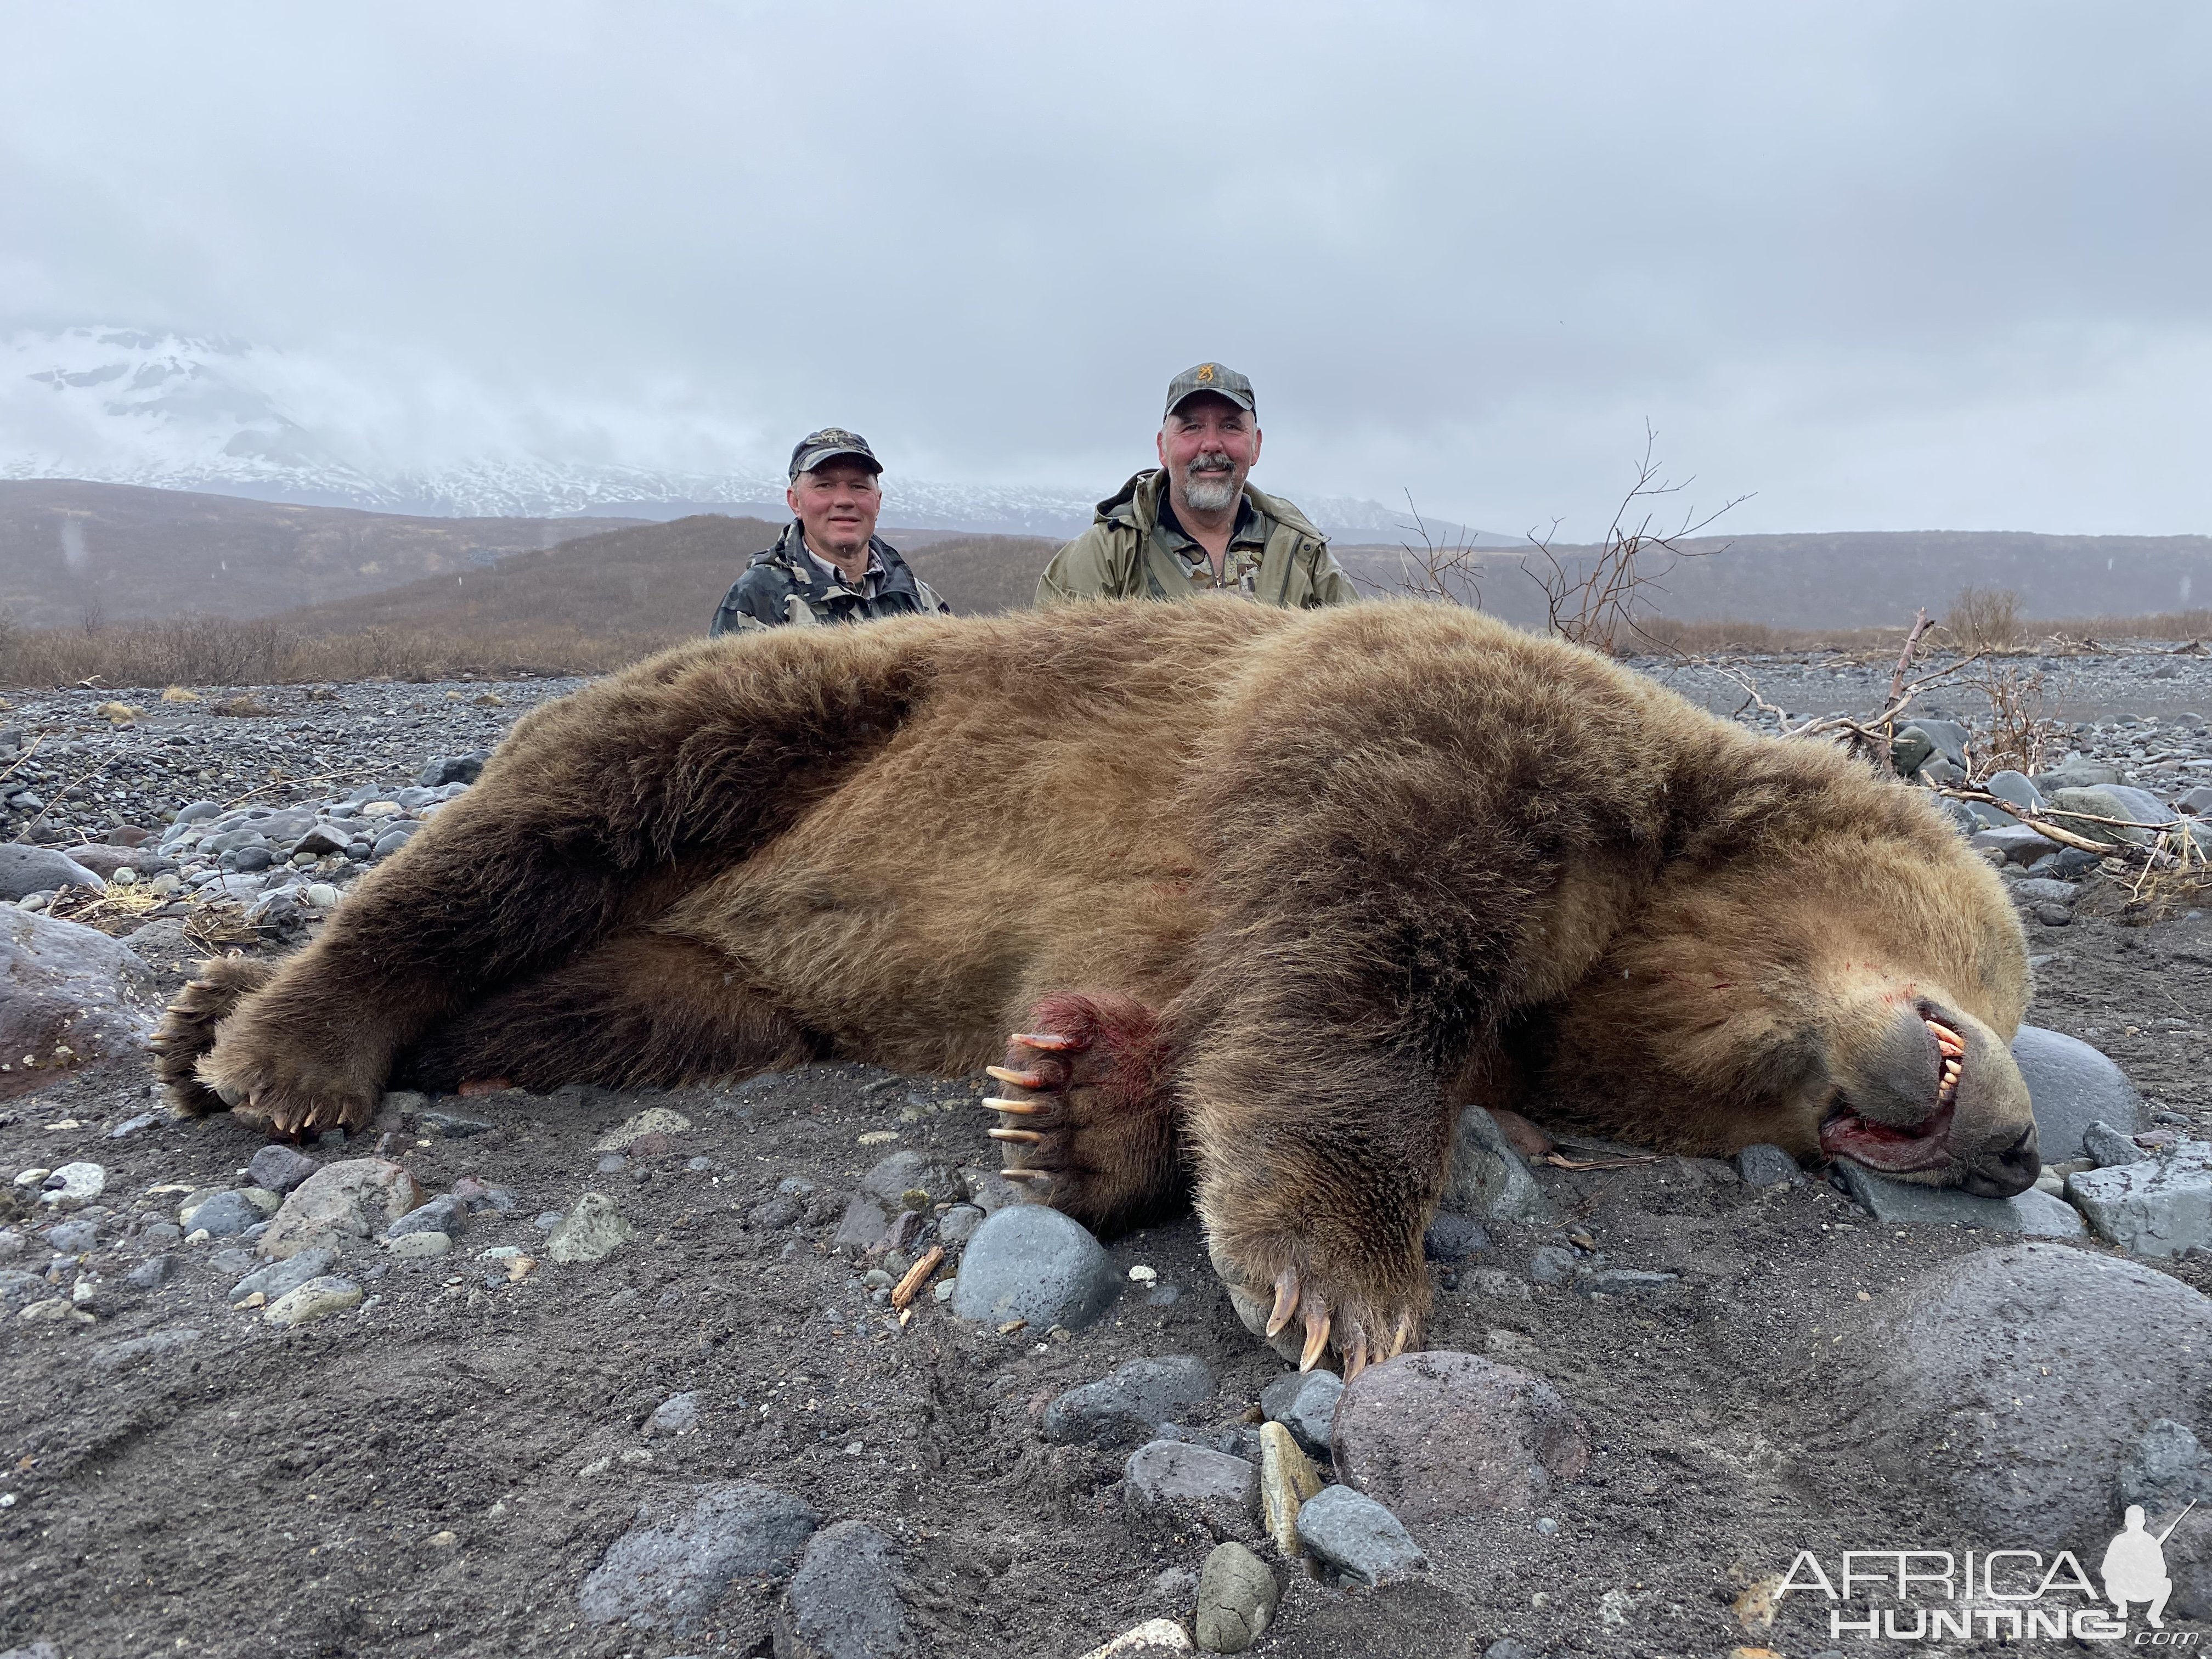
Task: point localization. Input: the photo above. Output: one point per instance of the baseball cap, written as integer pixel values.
(1216, 378)
(828, 445)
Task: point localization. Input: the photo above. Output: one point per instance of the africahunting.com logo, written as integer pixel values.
(2016, 1595)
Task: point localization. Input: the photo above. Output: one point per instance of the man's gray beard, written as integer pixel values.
(1210, 492)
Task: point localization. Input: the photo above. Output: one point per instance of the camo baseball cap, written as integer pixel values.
(828, 445)
(1216, 378)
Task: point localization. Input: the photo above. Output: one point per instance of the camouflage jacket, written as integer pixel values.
(1135, 550)
(784, 585)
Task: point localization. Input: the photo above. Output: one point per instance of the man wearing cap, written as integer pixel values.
(1194, 525)
(828, 566)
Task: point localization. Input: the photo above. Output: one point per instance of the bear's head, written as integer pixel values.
(1851, 994)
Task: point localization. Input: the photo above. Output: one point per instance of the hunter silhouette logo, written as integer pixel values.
(2134, 1567)
(2011, 1594)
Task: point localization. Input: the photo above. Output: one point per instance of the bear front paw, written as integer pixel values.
(1086, 1119)
(1304, 1306)
(296, 1095)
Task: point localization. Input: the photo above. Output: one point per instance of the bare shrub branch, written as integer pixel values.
(1598, 602)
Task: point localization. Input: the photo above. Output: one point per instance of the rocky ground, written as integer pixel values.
(631, 1374)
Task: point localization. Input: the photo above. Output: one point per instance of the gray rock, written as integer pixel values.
(151, 1274)
(71, 1237)
(351, 1197)
(1553, 1264)
(392, 841)
(1441, 1434)
(2196, 801)
(843, 1601)
(892, 1181)
(2012, 1384)
(2071, 1085)
(1130, 1401)
(2075, 773)
(862, 1228)
(1453, 1237)
(2019, 843)
(2111, 800)
(2040, 890)
(26, 870)
(1237, 1600)
(40, 1649)
(442, 1214)
(1169, 1486)
(280, 1168)
(2159, 1207)
(248, 858)
(1489, 1180)
(958, 1224)
(2015, 787)
(69, 994)
(2108, 1146)
(678, 1414)
(1028, 1262)
(436, 774)
(2031, 1214)
(1357, 1536)
(18, 1288)
(225, 1215)
(1305, 1402)
(281, 1279)
(131, 1126)
(451, 1124)
(670, 1568)
(1763, 1165)
(229, 1264)
(592, 1231)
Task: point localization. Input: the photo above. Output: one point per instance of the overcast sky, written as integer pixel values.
(1895, 266)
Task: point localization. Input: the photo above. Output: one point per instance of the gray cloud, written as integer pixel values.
(1888, 265)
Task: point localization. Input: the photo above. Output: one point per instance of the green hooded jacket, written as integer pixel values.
(1275, 556)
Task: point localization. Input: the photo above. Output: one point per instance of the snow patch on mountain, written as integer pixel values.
(176, 411)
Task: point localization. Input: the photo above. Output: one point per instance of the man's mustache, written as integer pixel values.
(1214, 463)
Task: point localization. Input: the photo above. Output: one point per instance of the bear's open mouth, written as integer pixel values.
(1899, 1148)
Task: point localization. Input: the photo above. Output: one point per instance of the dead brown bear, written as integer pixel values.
(1268, 894)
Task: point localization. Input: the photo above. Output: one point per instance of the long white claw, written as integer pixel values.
(1018, 1108)
(1316, 1341)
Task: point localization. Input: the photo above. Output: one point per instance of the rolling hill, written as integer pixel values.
(72, 551)
(655, 580)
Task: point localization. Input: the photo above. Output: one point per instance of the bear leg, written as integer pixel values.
(188, 1028)
(1088, 1120)
(641, 1010)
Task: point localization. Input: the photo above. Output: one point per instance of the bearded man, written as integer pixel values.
(1193, 526)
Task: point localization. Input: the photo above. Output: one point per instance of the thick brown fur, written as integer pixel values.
(1351, 866)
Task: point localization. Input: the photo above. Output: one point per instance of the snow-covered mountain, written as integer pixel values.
(122, 405)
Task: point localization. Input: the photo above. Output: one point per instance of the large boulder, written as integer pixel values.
(69, 994)
(27, 870)
(1439, 1434)
(2071, 1085)
(2014, 1386)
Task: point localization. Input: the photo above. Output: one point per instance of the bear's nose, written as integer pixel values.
(1999, 1172)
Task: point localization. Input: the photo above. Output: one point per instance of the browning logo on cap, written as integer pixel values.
(1217, 380)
